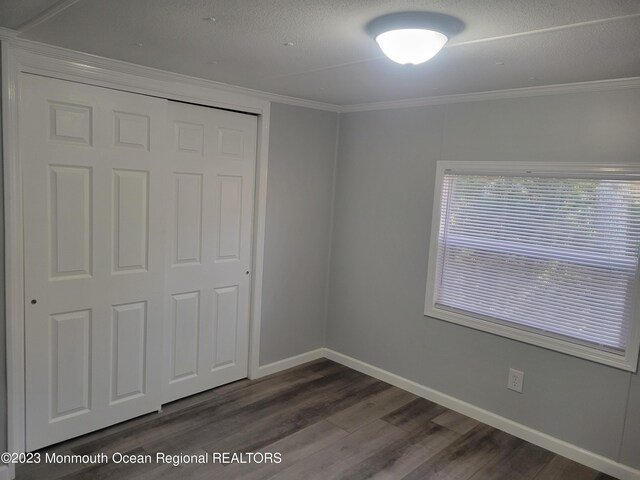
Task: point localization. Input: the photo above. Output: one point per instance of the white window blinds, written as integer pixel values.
(550, 255)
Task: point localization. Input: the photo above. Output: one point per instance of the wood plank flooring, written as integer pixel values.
(326, 421)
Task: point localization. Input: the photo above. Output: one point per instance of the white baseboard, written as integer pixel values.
(7, 472)
(573, 452)
(290, 362)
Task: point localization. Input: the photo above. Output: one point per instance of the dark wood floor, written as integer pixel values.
(327, 422)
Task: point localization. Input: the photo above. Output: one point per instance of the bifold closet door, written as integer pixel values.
(94, 182)
(137, 253)
(212, 161)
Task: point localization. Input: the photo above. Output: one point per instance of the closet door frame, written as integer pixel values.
(21, 57)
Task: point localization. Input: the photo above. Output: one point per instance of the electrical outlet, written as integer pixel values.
(516, 379)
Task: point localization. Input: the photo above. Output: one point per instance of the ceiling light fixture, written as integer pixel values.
(411, 38)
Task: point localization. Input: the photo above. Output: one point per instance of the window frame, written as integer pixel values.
(628, 361)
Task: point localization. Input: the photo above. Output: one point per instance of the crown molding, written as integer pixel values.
(7, 33)
(580, 87)
(295, 101)
(89, 61)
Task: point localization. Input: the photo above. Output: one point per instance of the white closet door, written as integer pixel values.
(94, 183)
(213, 157)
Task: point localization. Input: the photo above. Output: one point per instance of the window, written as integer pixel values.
(545, 254)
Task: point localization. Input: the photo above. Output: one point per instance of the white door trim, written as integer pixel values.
(22, 56)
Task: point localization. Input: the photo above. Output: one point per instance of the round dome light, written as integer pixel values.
(411, 38)
(411, 45)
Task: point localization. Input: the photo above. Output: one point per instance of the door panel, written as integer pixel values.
(94, 180)
(128, 374)
(70, 360)
(70, 204)
(188, 205)
(230, 215)
(208, 268)
(225, 326)
(130, 220)
(184, 333)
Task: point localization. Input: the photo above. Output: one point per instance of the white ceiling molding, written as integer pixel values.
(88, 61)
(598, 85)
(120, 66)
(298, 102)
(7, 33)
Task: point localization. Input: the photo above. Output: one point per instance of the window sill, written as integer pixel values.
(626, 362)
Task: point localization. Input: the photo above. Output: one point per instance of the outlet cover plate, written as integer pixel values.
(516, 379)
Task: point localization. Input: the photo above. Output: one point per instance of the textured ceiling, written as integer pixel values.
(539, 42)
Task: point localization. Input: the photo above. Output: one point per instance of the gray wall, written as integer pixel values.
(302, 145)
(383, 204)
